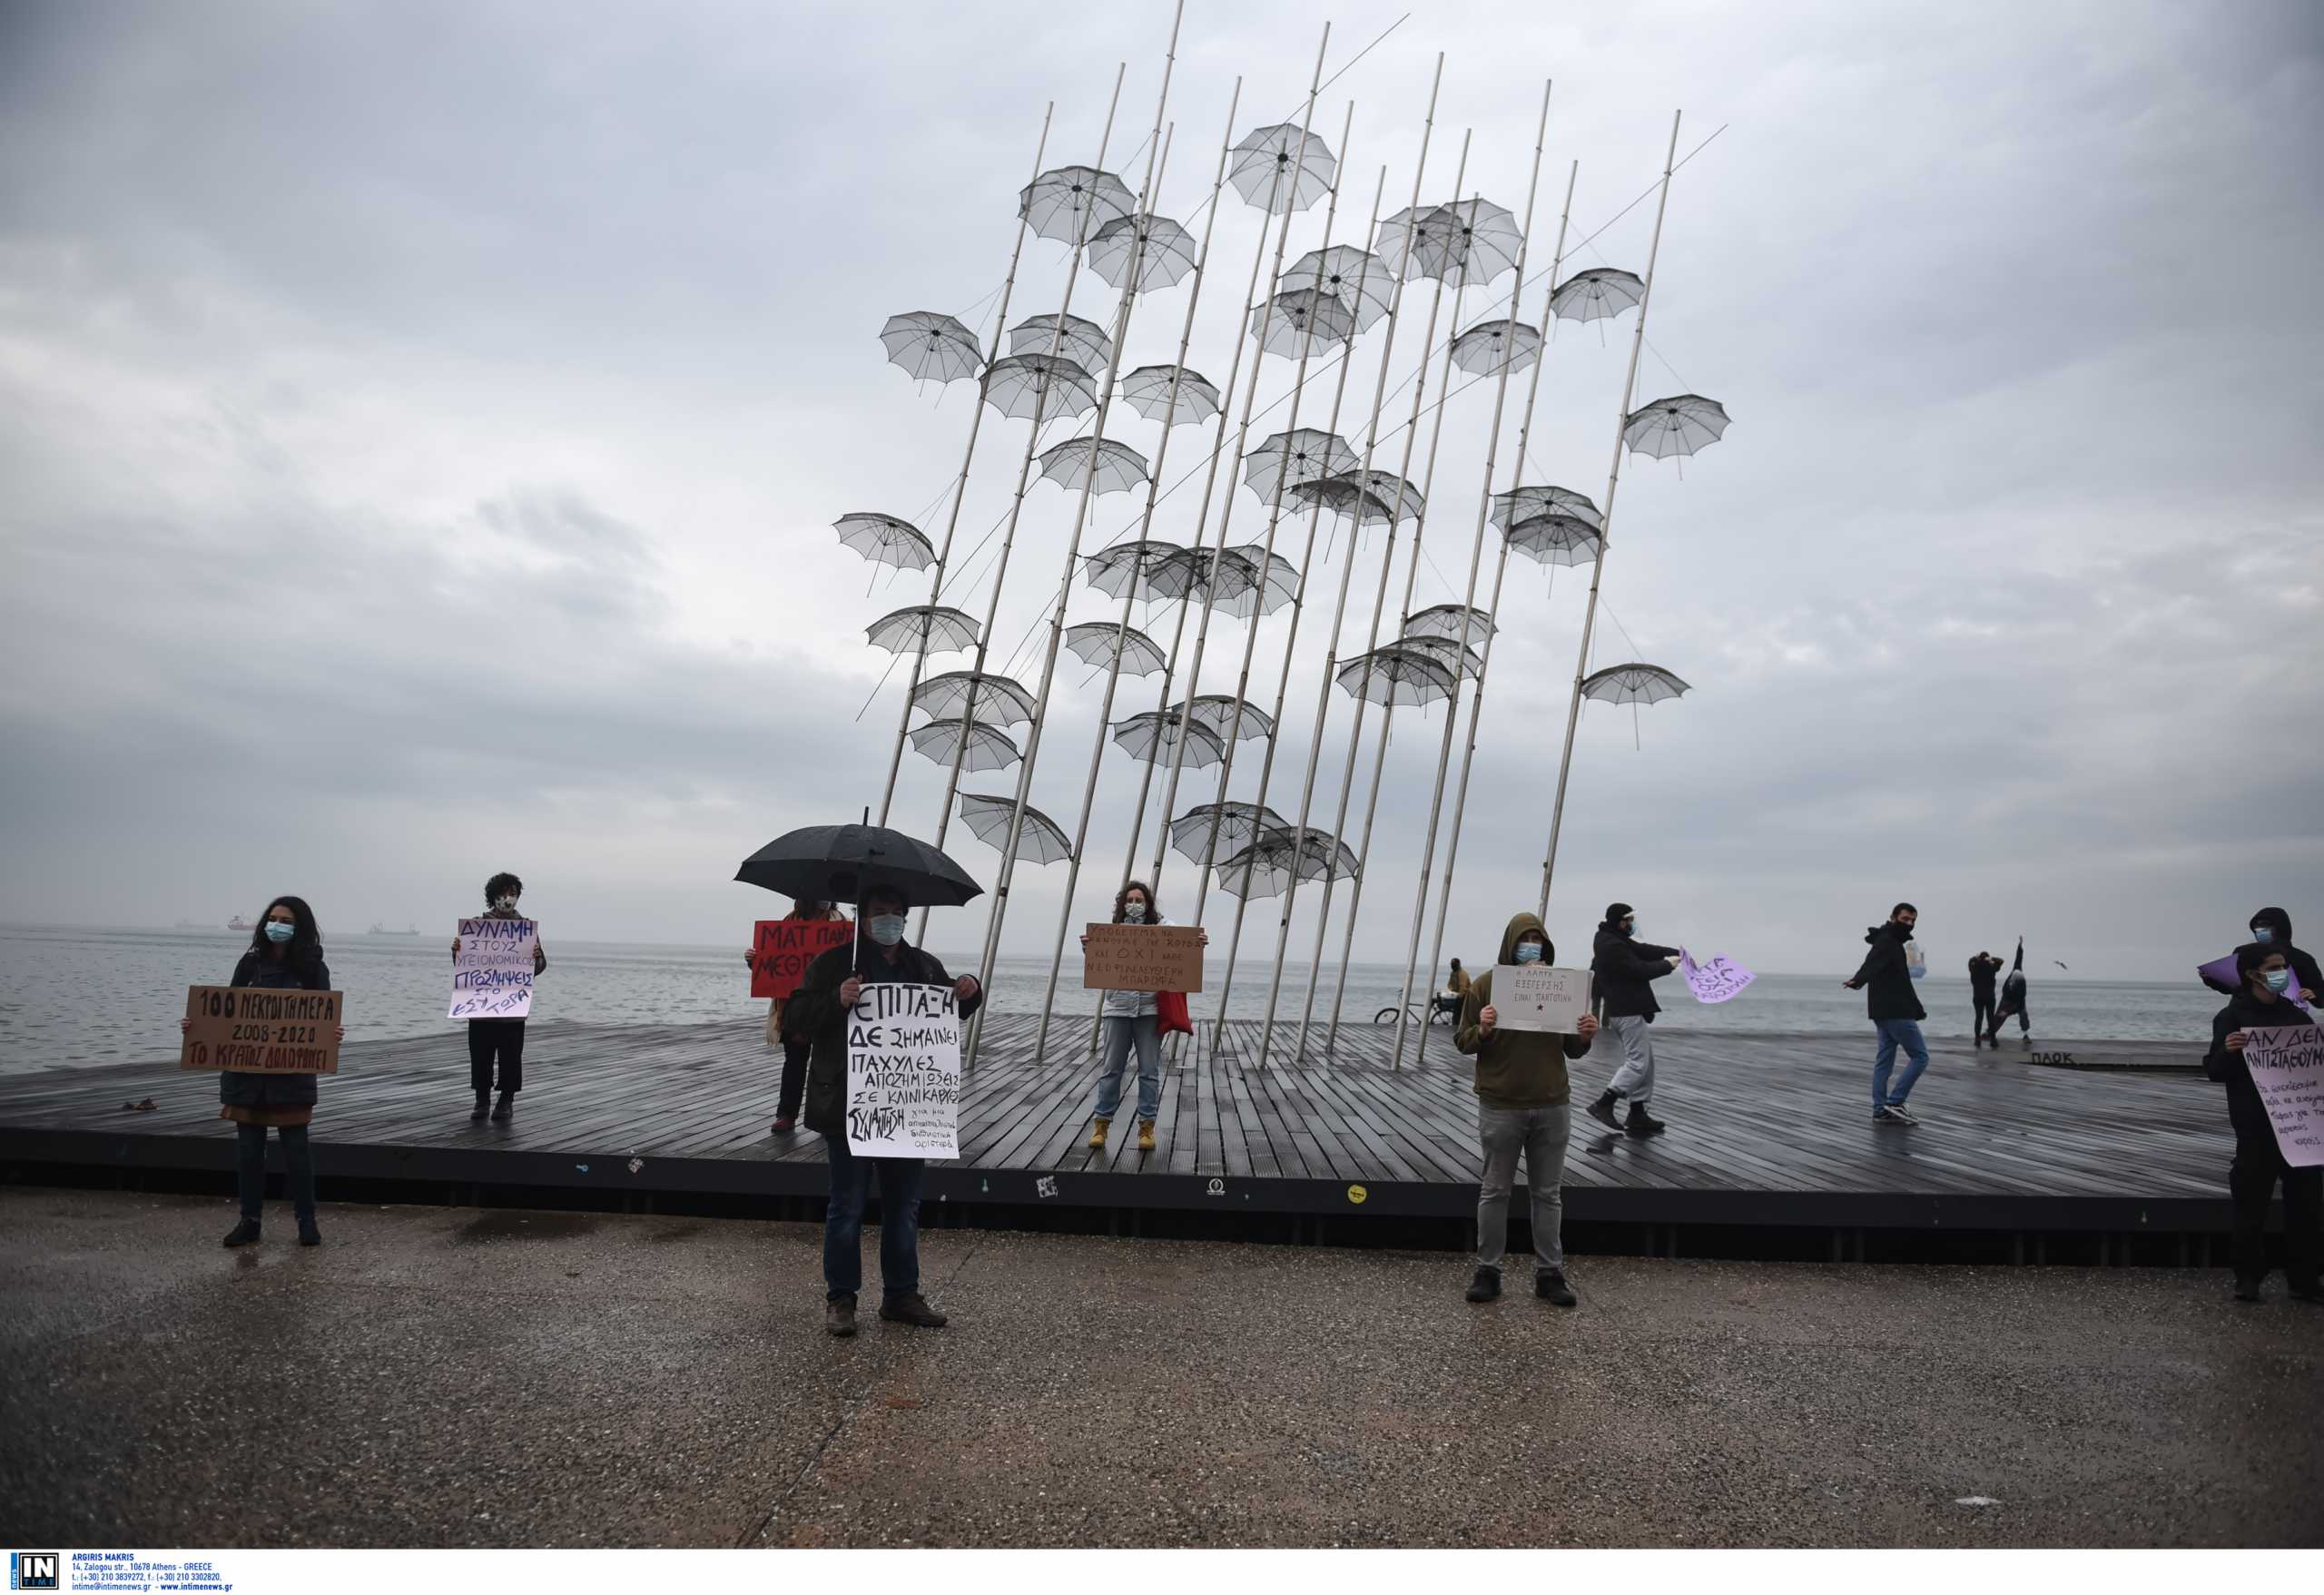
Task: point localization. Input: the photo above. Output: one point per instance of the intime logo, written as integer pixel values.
(32, 1569)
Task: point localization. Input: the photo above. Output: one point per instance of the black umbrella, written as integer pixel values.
(834, 864)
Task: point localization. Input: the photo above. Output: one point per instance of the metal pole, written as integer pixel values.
(1606, 521)
(961, 485)
(1145, 531)
(1411, 572)
(1073, 544)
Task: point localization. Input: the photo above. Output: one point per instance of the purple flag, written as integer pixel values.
(2222, 969)
(1714, 982)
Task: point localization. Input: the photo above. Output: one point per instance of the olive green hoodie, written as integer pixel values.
(1516, 1068)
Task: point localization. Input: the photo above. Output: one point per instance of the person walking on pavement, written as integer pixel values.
(819, 1009)
(1895, 1011)
(794, 1041)
(2260, 1162)
(2012, 1002)
(499, 1040)
(1623, 966)
(1132, 1019)
(2273, 928)
(1524, 1103)
(1982, 970)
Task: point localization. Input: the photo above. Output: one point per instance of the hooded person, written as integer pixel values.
(1524, 1103)
(2273, 928)
(1624, 966)
(2264, 1002)
(1895, 1011)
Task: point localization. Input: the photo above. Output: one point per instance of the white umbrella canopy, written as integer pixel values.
(1176, 396)
(923, 628)
(885, 539)
(1679, 425)
(931, 347)
(1152, 736)
(988, 746)
(998, 698)
(1597, 295)
(1039, 839)
(1096, 641)
(1116, 468)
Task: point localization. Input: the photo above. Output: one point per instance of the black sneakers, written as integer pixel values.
(1641, 1123)
(310, 1232)
(1602, 1110)
(1550, 1286)
(1486, 1286)
(839, 1315)
(482, 1107)
(502, 1109)
(912, 1309)
(245, 1234)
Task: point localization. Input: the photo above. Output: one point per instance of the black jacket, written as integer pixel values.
(1982, 970)
(1888, 989)
(1623, 964)
(250, 1091)
(2303, 962)
(2244, 1012)
(815, 1011)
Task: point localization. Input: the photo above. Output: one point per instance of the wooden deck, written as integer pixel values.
(1765, 1131)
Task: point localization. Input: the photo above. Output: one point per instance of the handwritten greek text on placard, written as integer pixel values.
(1714, 982)
(492, 974)
(1142, 958)
(781, 950)
(903, 1072)
(2287, 1063)
(1540, 997)
(261, 1030)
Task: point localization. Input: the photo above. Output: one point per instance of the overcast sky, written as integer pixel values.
(420, 425)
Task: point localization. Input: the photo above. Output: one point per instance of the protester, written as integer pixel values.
(1624, 967)
(792, 1041)
(1524, 1103)
(1131, 1020)
(1456, 989)
(500, 1040)
(818, 1010)
(286, 953)
(1895, 1011)
(2260, 1163)
(1983, 969)
(2273, 928)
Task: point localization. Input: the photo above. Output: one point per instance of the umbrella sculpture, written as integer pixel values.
(1039, 388)
(1450, 620)
(1164, 250)
(1071, 338)
(1486, 347)
(1117, 466)
(1633, 684)
(923, 628)
(1094, 642)
(1447, 652)
(1272, 861)
(1151, 736)
(1367, 497)
(883, 539)
(1358, 280)
(1238, 824)
(1524, 503)
(1148, 390)
(1300, 454)
(833, 863)
(1468, 243)
(1597, 295)
(1275, 582)
(1431, 229)
(1556, 539)
(1070, 204)
(1679, 425)
(1216, 710)
(1197, 572)
(1398, 675)
(1039, 839)
(946, 697)
(1282, 167)
(977, 746)
(1300, 321)
(1115, 570)
(931, 347)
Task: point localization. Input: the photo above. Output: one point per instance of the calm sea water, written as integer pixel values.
(72, 998)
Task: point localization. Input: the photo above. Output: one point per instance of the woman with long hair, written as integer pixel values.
(796, 1043)
(286, 953)
(500, 1041)
(1131, 1020)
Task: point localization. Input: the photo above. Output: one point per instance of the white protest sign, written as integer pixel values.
(1540, 997)
(903, 1072)
(492, 974)
(2287, 1063)
(1714, 982)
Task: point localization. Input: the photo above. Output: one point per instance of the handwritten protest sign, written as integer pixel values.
(2222, 969)
(1142, 958)
(1714, 982)
(1540, 997)
(261, 1030)
(492, 974)
(781, 950)
(2287, 1063)
(903, 1072)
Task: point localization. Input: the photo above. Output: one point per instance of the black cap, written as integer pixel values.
(1617, 912)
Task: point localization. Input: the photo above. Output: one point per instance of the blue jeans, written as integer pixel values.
(1121, 1030)
(1896, 1033)
(900, 1180)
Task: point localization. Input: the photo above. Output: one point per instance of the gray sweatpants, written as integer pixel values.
(1635, 1078)
(1540, 1133)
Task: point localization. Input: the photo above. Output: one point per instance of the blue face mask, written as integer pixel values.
(2263, 933)
(887, 929)
(278, 932)
(2278, 980)
(1529, 953)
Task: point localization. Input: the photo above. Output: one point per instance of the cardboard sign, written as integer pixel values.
(780, 951)
(1142, 958)
(1714, 982)
(261, 1030)
(492, 974)
(2287, 1063)
(1540, 997)
(903, 1072)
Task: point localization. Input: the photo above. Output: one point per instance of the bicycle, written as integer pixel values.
(1418, 1013)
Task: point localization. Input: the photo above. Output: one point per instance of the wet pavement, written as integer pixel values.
(443, 1377)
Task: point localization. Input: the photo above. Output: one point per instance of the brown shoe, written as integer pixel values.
(839, 1316)
(912, 1309)
(1145, 1135)
(1098, 1128)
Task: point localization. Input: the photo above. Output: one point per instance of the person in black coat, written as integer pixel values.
(819, 1009)
(2273, 928)
(2259, 1161)
(1622, 966)
(500, 1041)
(1982, 970)
(286, 953)
(1895, 1011)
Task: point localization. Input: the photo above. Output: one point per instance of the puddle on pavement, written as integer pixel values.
(523, 1227)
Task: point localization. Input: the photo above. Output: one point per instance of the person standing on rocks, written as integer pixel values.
(1897, 1013)
(1624, 966)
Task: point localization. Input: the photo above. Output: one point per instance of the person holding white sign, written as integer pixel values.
(2264, 1003)
(820, 1009)
(501, 1040)
(1623, 964)
(1524, 1103)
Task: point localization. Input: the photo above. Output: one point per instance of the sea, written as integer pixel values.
(73, 998)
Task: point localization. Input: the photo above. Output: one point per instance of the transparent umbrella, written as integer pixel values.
(1679, 425)
(1276, 583)
(1238, 825)
(1633, 683)
(1446, 620)
(1095, 643)
(1117, 466)
(1194, 572)
(988, 746)
(1166, 256)
(1466, 242)
(924, 628)
(1113, 570)
(1152, 736)
(1524, 503)
(1303, 321)
(1038, 839)
(1596, 295)
(1278, 855)
(1084, 343)
(1070, 204)
(931, 347)
(1490, 345)
(1360, 281)
(1282, 169)
(1372, 498)
(1039, 388)
(1300, 454)
(1445, 650)
(1555, 539)
(1216, 710)
(883, 539)
(1000, 699)
(1149, 391)
(1398, 675)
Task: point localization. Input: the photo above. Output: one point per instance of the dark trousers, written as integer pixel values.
(500, 1039)
(795, 1076)
(2252, 1181)
(900, 1179)
(297, 1162)
(1985, 1020)
(2025, 1025)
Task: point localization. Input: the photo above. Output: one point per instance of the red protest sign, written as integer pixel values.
(782, 949)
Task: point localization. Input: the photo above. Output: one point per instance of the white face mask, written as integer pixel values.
(1134, 913)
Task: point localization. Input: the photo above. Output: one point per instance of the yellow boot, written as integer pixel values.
(1098, 1129)
(1145, 1135)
